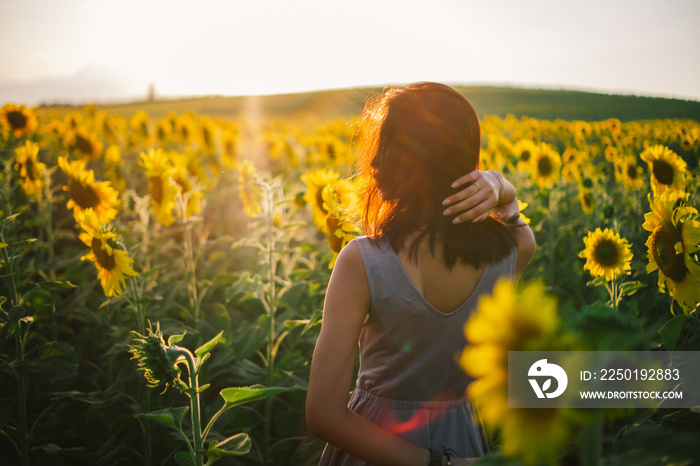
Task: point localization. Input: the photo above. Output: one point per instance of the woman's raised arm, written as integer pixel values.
(486, 192)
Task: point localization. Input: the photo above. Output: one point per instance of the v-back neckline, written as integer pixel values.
(422, 298)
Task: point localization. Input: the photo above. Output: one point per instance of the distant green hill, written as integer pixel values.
(577, 105)
(499, 101)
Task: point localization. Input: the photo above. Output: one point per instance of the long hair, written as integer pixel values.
(414, 141)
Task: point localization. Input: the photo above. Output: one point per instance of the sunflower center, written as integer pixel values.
(319, 200)
(17, 120)
(544, 166)
(83, 145)
(606, 253)
(183, 183)
(333, 223)
(105, 259)
(29, 166)
(663, 241)
(663, 172)
(631, 172)
(84, 196)
(155, 186)
(525, 156)
(230, 147)
(206, 136)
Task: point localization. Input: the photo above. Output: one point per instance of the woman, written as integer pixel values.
(405, 291)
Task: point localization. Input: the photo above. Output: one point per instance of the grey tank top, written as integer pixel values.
(409, 379)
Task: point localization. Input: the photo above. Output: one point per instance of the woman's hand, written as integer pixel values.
(484, 191)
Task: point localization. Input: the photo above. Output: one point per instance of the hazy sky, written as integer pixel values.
(58, 50)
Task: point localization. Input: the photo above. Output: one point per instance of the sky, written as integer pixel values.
(107, 50)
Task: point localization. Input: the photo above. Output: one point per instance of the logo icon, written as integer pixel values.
(541, 369)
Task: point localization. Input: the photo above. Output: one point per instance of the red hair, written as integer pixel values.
(414, 141)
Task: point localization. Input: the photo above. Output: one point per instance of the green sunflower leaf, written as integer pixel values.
(235, 396)
(206, 347)
(170, 417)
(235, 445)
(671, 331)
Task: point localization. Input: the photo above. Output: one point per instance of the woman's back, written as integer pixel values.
(443, 287)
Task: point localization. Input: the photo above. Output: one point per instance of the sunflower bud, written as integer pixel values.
(156, 359)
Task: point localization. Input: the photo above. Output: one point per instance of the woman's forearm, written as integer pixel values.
(350, 432)
(507, 206)
(506, 193)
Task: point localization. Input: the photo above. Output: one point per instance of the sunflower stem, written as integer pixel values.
(8, 261)
(138, 305)
(613, 292)
(22, 399)
(141, 325)
(590, 446)
(193, 393)
(46, 212)
(20, 343)
(271, 320)
(551, 249)
(189, 257)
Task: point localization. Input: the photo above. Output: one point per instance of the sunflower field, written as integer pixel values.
(163, 280)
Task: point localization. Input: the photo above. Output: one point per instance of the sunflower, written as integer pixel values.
(503, 322)
(582, 130)
(690, 138)
(207, 128)
(156, 359)
(112, 262)
(573, 160)
(84, 143)
(611, 153)
(668, 170)
(585, 196)
(160, 184)
(30, 170)
(315, 181)
(673, 246)
(73, 120)
(523, 151)
(340, 229)
(163, 130)
(86, 194)
(229, 145)
(545, 165)
(186, 128)
(141, 124)
(182, 177)
(629, 172)
(606, 253)
(251, 192)
(18, 119)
